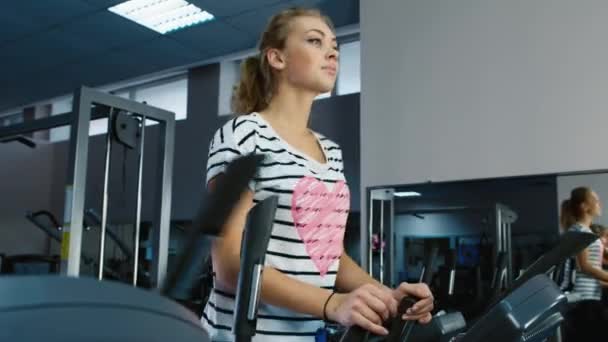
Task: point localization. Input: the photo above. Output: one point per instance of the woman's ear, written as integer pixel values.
(276, 59)
(586, 207)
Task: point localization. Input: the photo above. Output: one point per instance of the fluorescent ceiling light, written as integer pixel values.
(162, 16)
(407, 194)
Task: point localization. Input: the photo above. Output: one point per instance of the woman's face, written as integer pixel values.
(594, 205)
(311, 55)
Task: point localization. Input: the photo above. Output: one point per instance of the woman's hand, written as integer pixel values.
(368, 307)
(421, 311)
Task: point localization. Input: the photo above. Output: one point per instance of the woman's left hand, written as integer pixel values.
(421, 310)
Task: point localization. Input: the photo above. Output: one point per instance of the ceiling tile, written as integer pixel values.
(51, 47)
(341, 12)
(109, 30)
(102, 4)
(233, 7)
(45, 50)
(45, 14)
(254, 22)
(215, 37)
(166, 52)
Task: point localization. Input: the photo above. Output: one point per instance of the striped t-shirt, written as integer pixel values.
(308, 232)
(585, 285)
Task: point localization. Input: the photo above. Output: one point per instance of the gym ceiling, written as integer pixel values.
(50, 47)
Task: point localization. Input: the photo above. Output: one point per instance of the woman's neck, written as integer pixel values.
(289, 109)
(586, 221)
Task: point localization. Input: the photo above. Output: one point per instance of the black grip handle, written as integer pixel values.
(253, 253)
(399, 328)
(355, 334)
(214, 212)
(47, 214)
(429, 264)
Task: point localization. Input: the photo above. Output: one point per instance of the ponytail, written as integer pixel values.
(251, 93)
(566, 217)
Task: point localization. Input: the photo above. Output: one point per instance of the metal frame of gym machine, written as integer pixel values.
(503, 218)
(88, 105)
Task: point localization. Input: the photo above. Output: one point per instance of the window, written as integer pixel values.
(60, 106)
(349, 77)
(11, 119)
(229, 77)
(171, 95)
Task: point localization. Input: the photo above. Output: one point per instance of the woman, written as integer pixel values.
(305, 261)
(588, 316)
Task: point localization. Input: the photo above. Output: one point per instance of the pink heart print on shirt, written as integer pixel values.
(319, 216)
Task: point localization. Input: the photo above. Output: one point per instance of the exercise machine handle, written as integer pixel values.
(253, 254)
(209, 223)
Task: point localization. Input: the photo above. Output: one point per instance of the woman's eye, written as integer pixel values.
(315, 41)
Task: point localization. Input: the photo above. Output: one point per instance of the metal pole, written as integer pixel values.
(509, 255)
(499, 243)
(104, 201)
(160, 237)
(369, 237)
(71, 243)
(380, 241)
(138, 209)
(391, 243)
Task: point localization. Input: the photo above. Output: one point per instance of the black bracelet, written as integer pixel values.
(325, 307)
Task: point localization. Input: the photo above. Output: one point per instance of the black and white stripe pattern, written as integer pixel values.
(586, 286)
(282, 170)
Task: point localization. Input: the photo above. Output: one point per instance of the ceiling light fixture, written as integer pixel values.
(162, 16)
(406, 194)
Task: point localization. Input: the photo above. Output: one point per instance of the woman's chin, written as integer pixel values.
(325, 89)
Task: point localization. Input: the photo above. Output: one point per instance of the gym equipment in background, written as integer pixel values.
(123, 115)
(91, 218)
(67, 309)
(381, 212)
(48, 223)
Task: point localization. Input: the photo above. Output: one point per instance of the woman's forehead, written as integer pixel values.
(303, 24)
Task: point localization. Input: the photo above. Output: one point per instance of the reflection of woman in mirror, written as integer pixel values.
(589, 314)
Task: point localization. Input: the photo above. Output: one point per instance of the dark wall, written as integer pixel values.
(338, 119)
(25, 185)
